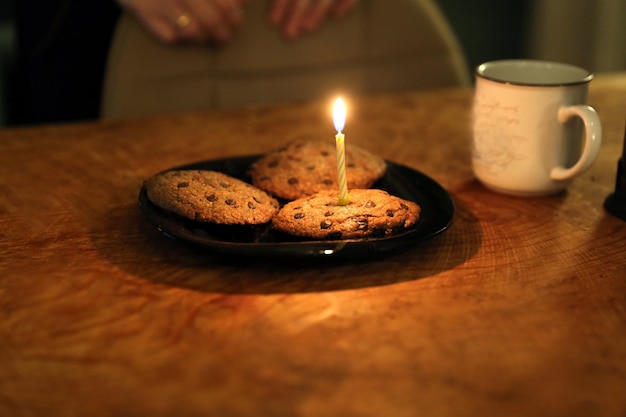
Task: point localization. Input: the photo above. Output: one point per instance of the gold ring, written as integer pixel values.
(183, 21)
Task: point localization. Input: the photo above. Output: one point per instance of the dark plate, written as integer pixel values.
(436, 216)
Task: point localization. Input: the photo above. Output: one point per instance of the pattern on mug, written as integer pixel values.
(496, 143)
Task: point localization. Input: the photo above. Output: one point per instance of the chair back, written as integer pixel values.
(381, 46)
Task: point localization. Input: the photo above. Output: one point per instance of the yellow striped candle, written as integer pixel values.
(339, 118)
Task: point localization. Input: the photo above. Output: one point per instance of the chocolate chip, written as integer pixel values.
(251, 205)
(183, 185)
(257, 199)
(351, 165)
(329, 213)
(325, 224)
(298, 216)
(310, 167)
(390, 213)
(328, 182)
(211, 198)
(292, 181)
(224, 185)
(404, 206)
(370, 204)
(273, 164)
(361, 223)
(230, 202)
(325, 153)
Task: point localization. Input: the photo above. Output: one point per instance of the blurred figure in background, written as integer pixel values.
(62, 45)
(216, 21)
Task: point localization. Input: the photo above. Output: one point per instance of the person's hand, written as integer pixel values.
(295, 17)
(199, 21)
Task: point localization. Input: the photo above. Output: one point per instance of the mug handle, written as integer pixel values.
(593, 139)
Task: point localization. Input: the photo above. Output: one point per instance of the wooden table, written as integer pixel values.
(519, 309)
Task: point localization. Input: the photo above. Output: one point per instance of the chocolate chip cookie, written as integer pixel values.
(304, 167)
(371, 213)
(210, 196)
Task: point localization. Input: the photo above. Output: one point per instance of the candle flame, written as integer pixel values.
(339, 115)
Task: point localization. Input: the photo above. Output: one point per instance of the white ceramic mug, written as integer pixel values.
(528, 135)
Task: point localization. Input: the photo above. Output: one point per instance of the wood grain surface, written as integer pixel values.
(519, 309)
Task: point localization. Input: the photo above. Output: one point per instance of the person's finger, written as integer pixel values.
(315, 14)
(173, 21)
(162, 22)
(213, 22)
(162, 29)
(293, 18)
(189, 29)
(158, 19)
(278, 11)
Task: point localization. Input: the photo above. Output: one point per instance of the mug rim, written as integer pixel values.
(585, 75)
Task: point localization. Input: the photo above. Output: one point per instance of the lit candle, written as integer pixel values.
(339, 118)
